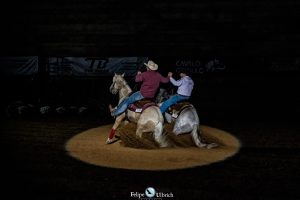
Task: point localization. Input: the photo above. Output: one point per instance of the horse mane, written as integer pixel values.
(125, 82)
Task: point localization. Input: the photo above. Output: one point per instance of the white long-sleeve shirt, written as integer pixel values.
(185, 85)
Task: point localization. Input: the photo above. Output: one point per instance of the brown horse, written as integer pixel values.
(148, 121)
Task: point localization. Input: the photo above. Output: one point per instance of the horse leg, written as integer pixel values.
(157, 132)
(118, 121)
(159, 137)
(125, 122)
(111, 109)
(141, 128)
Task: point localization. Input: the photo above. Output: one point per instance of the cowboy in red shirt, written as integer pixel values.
(150, 83)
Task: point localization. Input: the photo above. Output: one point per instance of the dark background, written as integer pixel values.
(257, 41)
(255, 97)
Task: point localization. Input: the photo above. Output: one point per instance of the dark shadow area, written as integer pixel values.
(255, 107)
(253, 95)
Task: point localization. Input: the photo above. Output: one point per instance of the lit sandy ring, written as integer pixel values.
(90, 147)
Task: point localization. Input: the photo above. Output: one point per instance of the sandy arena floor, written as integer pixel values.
(90, 147)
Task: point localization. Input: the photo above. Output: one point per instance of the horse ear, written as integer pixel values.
(123, 74)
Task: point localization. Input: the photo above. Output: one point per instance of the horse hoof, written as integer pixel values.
(139, 135)
(109, 141)
(212, 145)
(164, 145)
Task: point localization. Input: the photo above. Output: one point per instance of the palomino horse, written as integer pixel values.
(185, 120)
(150, 120)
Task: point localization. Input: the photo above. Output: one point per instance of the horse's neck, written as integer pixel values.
(124, 92)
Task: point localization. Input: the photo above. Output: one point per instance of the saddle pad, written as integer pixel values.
(141, 105)
(176, 109)
(179, 106)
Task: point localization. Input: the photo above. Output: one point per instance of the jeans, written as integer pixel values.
(171, 101)
(126, 102)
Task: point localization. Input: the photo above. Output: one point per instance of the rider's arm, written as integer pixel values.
(139, 77)
(164, 79)
(176, 83)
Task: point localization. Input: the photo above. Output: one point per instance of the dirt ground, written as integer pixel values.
(36, 164)
(144, 154)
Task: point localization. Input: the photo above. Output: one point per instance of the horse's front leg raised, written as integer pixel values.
(112, 133)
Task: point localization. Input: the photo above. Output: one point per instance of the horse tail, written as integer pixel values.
(196, 136)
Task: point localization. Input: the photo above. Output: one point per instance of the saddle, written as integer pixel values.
(141, 105)
(176, 109)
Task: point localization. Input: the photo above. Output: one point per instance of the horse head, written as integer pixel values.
(117, 84)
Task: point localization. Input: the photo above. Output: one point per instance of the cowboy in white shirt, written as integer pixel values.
(185, 87)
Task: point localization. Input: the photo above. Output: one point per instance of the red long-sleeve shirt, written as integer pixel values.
(151, 81)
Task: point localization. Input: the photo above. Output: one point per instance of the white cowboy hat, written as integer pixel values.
(151, 65)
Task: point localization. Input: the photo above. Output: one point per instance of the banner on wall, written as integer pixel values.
(19, 66)
(197, 66)
(94, 66)
(72, 66)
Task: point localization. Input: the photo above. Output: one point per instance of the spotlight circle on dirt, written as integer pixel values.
(90, 147)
